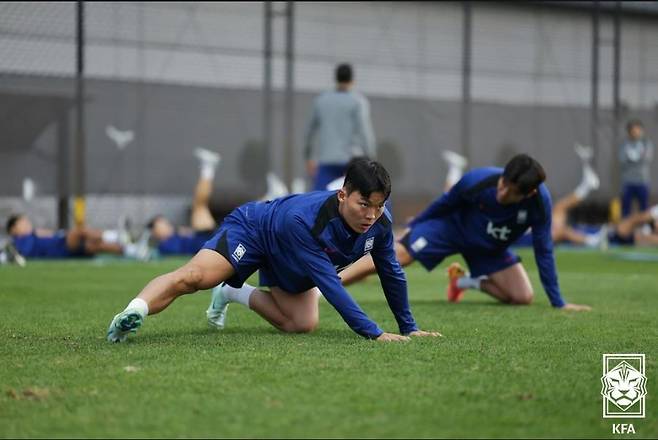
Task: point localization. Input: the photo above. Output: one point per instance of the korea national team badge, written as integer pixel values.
(522, 217)
(369, 243)
(624, 386)
(239, 252)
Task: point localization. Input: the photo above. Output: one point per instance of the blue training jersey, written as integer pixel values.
(307, 243)
(33, 246)
(183, 244)
(481, 224)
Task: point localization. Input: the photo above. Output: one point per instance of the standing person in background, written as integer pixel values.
(635, 156)
(339, 129)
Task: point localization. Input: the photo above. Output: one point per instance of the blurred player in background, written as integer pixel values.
(188, 240)
(339, 128)
(80, 241)
(561, 230)
(635, 156)
(636, 229)
(486, 211)
(297, 242)
(170, 240)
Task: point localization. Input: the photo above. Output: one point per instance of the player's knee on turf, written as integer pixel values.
(523, 297)
(301, 325)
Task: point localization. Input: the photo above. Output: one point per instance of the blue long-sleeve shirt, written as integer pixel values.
(481, 224)
(308, 243)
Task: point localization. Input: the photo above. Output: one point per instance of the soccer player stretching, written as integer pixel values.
(479, 218)
(297, 242)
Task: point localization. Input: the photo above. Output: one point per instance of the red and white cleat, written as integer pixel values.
(454, 293)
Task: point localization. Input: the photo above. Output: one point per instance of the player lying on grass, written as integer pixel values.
(188, 240)
(486, 211)
(638, 228)
(561, 230)
(170, 240)
(79, 241)
(298, 243)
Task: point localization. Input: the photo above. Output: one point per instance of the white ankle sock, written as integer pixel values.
(240, 295)
(470, 283)
(593, 240)
(139, 305)
(654, 212)
(110, 236)
(208, 170)
(582, 190)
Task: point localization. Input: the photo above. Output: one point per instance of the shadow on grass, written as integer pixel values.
(243, 334)
(446, 304)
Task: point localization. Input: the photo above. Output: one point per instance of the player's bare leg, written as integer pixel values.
(205, 270)
(456, 166)
(627, 226)
(93, 241)
(560, 229)
(201, 219)
(289, 313)
(510, 285)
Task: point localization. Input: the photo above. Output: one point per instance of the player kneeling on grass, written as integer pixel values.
(480, 217)
(298, 243)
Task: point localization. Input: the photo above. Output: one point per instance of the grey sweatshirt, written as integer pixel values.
(339, 128)
(635, 157)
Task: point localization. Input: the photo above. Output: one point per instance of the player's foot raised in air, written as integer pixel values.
(207, 156)
(455, 160)
(454, 293)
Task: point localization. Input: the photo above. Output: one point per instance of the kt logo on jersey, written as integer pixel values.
(501, 233)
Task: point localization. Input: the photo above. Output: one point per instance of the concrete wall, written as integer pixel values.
(182, 75)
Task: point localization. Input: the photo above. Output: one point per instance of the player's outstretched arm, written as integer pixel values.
(576, 307)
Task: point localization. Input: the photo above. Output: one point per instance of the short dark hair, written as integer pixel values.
(524, 172)
(367, 176)
(11, 221)
(344, 73)
(632, 123)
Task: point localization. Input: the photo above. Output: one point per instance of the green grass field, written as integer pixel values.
(499, 371)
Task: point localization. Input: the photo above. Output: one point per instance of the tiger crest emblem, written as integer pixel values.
(624, 386)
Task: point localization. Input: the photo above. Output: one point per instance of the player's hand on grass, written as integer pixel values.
(577, 307)
(386, 337)
(421, 333)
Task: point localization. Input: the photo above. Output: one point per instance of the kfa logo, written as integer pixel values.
(624, 386)
(419, 244)
(501, 233)
(238, 252)
(368, 246)
(522, 217)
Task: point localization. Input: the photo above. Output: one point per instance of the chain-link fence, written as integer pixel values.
(164, 78)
